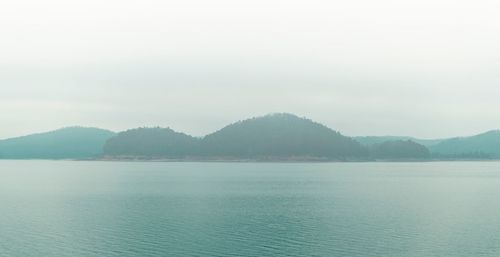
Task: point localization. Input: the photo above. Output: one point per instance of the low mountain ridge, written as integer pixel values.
(483, 145)
(400, 149)
(151, 142)
(372, 140)
(65, 143)
(275, 136)
(280, 135)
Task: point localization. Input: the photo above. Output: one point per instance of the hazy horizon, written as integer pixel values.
(154, 126)
(427, 69)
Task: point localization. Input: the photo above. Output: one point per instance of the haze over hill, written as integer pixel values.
(425, 68)
(269, 137)
(399, 149)
(280, 136)
(483, 145)
(66, 143)
(151, 142)
(372, 140)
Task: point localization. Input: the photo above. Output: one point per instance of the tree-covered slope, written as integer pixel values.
(399, 149)
(66, 143)
(151, 142)
(279, 135)
(372, 140)
(272, 137)
(486, 144)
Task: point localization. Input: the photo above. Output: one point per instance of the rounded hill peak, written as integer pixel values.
(279, 134)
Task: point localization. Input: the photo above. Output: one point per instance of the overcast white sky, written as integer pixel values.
(426, 68)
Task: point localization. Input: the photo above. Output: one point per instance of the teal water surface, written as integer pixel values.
(73, 208)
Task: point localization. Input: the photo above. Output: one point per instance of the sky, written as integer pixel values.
(424, 68)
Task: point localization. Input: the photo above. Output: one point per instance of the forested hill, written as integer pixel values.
(66, 143)
(372, 140)
(399, 149)
(152, 143)
(281, 136)
(485, 145)
(271, 137)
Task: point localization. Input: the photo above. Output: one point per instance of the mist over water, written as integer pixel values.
(226, 86)
(56, 208)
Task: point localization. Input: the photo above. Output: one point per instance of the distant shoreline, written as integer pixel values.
(277, 137)
(292, 160)
(255, 160)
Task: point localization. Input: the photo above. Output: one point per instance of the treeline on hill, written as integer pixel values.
(65, 143)
(399, 149)
(271, 137)
(153, 142)
(478, 147)
(482, 146)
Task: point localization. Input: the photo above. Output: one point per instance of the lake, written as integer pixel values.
(78, 208)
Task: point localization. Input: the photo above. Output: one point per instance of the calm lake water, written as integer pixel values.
(65, 208)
